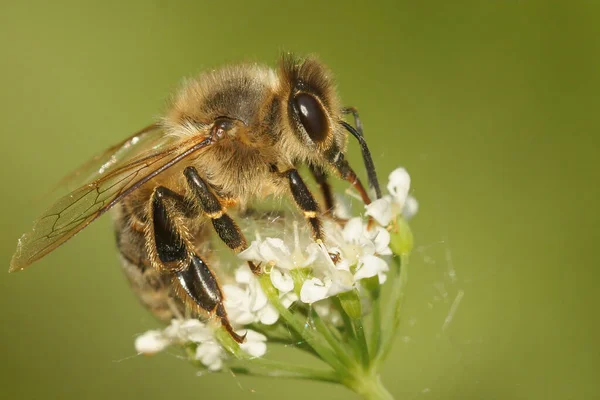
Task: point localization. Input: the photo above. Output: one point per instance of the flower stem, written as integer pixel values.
(370, 388)
(362, 341)
(264, 367)
(276, 334)
(311, 337)
(375, 342)
(398, 292)
(348, 327)
(335, 344)
(268, 368)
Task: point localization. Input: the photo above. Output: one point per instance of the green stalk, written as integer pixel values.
(324, 376)
(287, 339)
(263, 367)
(349, 327)
(374, 288)
(267, 368)
(375, 321)
(370, 388)
(309, 335)
(361, 341)
(398, 292)
(323, 328)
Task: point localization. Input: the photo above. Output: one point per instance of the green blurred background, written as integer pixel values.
(491, 105)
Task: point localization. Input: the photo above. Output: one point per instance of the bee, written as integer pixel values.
(230, 137)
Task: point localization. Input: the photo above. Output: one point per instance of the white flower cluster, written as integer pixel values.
(247, 303)
(208, 351)
(359, 248)
(398, 202)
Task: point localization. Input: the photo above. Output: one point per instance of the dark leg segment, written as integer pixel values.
(305, 200)
(170, 247)
(321, 178)
(346, 173)
(224, 225)
(359, 135)
(200, 284)
(354, 112)
(174, 255)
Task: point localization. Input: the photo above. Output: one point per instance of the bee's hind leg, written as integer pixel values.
(200, 284)
(224, 225)
(170, 250)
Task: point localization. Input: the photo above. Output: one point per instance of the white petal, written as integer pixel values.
(253, 336)
(342, 278)
(237, 304)
(313, 290)
(216, 365)
(282, 280)
(268, 315)
(382, 277)
(243, 275)
(380, 210)
(399, 185)
(344, 265)
(240, 316)
(195, 331)
(341, 284)
(151, 342)
(370, 266)
(343, 208)
(381, 239)
(252, 253)
(258, 298)
(235, 296)
(274, 251)
(255, 344)
(173, 331)
(255, 349)
(288, 299)
(353, 230)
(209, 354)
(411, 207)
(312, 252)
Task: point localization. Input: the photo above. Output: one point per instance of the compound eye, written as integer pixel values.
(312, 116)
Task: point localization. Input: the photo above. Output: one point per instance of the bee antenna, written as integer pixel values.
(372, 175)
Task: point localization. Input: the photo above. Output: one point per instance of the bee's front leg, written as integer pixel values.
(171, 250)
(354, 112)
(346, 173)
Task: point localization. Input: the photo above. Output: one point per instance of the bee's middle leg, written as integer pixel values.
(171, 251)
(305, 201)
(321, 178)
(224, 225)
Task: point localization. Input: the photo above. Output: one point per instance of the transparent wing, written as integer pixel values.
(151, 138)
(75, 211)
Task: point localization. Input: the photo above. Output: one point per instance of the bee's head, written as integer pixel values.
(310, 104)
(311, 109)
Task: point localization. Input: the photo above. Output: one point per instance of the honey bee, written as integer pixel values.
(230, 137)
